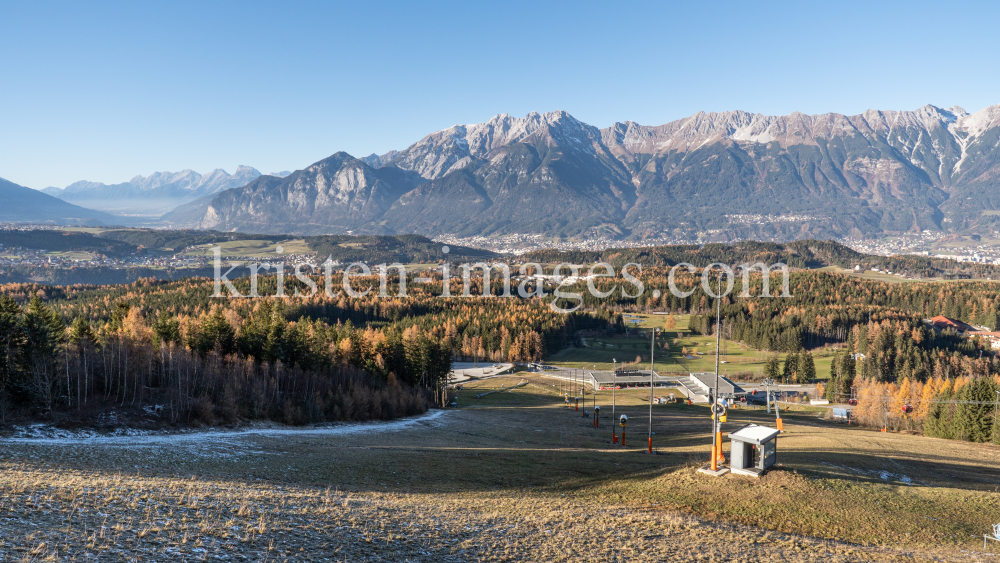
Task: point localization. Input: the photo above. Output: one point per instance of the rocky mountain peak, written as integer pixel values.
(976, 123)
(790, 175)
(455, 147)
(378, 160)
(702, 128)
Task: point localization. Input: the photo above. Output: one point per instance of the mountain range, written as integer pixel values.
(732, 174)
(711, 175)
(155, 194)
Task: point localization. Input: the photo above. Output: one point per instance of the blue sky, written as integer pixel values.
(105, 91)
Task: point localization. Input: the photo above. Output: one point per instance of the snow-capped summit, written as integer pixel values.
(154, 194)
(459, 145)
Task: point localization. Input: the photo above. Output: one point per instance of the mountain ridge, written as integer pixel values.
(154, 194)
(709, 174)
(25, 205)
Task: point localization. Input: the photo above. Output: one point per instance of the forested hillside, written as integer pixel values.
(58, 241)
(802, 254)
(904, 374)
(175, 240)
(75, 352)
(80, 349)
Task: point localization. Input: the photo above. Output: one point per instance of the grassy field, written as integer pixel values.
(875, 276)
(509, 477)
(91, 230)
(600, 351)
(72, 255)
(252, 248)
(881, 276)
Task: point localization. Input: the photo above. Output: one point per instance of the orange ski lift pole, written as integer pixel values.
(719, 409)
(716, 410)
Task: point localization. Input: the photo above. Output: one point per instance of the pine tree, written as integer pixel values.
(832, 389)
(10, 338)
(938, 421)
(807, 368)
(973, 420)
(772, 368)
(167, 329)
(845, 375)
(788, 374)
(43, 331)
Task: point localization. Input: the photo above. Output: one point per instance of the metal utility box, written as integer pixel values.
(753, 450)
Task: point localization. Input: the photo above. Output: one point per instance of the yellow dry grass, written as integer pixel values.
(509, 477)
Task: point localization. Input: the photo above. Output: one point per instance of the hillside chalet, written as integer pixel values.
(941, 322)
(992, 337)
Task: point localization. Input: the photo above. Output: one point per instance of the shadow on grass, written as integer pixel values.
(525, 439)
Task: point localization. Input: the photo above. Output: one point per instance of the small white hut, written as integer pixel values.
(753, 450)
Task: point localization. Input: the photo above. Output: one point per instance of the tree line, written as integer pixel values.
(957, 408)
(53, 371)
(170, 346)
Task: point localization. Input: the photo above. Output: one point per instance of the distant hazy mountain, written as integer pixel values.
(731, 174)
(281, 174)
(154, 194)
(25, 205)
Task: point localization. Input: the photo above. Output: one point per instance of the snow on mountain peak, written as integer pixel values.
(158, 192)
(976, 123)
(441, 151)
(701, 128)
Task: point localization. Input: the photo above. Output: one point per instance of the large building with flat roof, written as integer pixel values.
(695, 386)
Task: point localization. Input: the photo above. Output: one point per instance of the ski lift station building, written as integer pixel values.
(695, 386)
(753, 450)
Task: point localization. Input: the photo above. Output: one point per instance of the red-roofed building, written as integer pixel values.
(942, 322)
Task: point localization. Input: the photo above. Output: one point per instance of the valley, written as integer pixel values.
(535, 281)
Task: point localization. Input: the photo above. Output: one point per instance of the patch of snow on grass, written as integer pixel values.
(881, 473)
(43, 434)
